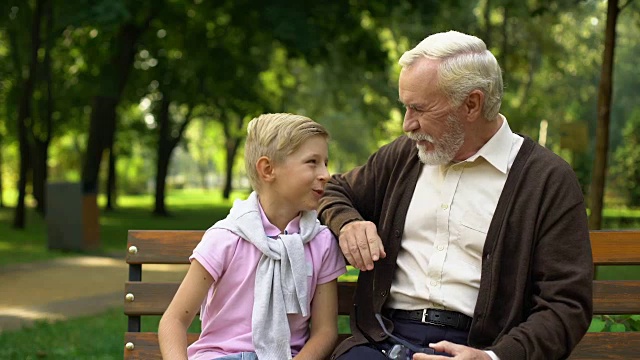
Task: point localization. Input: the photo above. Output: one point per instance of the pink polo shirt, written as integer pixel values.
(232, 262)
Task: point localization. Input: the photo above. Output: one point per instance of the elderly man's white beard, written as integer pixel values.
(444, 150)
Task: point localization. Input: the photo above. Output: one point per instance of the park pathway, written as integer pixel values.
(67, 287)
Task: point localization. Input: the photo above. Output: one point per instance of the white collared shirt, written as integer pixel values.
(446, 227)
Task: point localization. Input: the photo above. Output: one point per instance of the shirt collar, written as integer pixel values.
(496, 151)
(272, 231)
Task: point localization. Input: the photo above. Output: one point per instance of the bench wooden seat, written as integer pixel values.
(611, 297)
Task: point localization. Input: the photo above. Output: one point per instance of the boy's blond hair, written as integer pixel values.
(276, 136)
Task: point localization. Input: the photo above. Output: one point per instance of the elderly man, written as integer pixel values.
(472, 240)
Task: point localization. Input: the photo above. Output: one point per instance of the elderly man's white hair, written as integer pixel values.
(466, 65)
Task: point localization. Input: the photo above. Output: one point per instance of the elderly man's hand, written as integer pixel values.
(460, 352)
(361, 244)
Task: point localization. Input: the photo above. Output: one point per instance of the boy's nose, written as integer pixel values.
(324, 174)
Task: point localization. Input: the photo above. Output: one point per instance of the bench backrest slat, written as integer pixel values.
(614, 297)
(175, 246)
(162, 247)
(610, 297)
(149, 298)
(607, 345)
(146, 345)
(615, 247)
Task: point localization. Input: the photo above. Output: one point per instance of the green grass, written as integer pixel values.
(92, 337)
(23, 245)
(189, 210)
(95, 337)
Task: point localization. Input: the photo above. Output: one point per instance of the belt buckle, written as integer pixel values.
(424, 316)
(425, 319)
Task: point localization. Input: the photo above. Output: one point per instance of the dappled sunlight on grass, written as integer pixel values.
(622, 212)
(5, 246)
(350, 276)
(177, 198)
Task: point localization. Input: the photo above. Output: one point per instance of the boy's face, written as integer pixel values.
(300, 179)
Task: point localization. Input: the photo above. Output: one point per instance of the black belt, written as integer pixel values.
(438, 317)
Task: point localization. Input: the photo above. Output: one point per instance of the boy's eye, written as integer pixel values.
(312, 161)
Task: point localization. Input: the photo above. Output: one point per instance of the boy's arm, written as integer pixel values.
(172, 331)
(324, 323)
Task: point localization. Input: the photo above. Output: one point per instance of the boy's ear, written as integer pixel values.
(265, 168)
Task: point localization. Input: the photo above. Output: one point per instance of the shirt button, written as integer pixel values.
(440, 247)
(434, 283)
(444, 206)
(383, 293)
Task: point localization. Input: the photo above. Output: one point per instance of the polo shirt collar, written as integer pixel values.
(272, 231)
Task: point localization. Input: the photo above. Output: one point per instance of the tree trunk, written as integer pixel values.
(604, 114)
(163, 156)
(101, 126)
(111, 181)
(114, 77)
(203, 177)
(162, 166)
(39, 176)
(232, 145)
(103, 110)
(166, 144)
(42, 137)
(24, 113)
(505, 37)
(487, 24)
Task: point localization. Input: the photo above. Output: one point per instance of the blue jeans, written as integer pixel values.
(240, 356)
(414, 332)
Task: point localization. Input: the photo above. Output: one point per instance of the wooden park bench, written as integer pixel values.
(610, 297)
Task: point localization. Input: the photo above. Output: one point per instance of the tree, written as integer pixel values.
(24, 112)
(202, 141)
(168, 139)
(113, 79)
(41, 124)
(626, 160)
(596, 195)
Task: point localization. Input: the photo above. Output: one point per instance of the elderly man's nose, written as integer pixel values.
(410, 122)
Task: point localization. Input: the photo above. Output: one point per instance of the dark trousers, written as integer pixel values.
(415, 332)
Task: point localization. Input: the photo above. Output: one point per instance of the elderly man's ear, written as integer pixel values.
(473, 105)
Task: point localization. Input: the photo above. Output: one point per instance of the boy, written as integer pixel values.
(259, 275)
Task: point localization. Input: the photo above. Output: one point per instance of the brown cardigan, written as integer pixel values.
(535, 297)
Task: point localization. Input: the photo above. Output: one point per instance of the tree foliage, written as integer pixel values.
(129, 78)
(626, 172)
